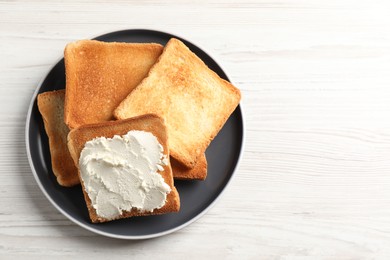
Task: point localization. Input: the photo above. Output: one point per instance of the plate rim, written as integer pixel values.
(131, 237)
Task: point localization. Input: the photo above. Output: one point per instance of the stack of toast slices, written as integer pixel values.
(112, 88)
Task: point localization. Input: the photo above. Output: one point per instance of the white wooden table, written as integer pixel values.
(315, 175)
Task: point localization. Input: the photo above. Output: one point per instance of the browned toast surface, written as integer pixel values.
(51, 107)
(194, 101)
(149, 123)
(99, 75)
(198, 172)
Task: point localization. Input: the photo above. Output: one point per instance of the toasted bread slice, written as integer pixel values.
(51, 107)
(149, 123)
(198, 172)
(193, 99)
(99, 75)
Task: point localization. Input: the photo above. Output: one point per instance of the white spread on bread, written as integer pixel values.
(121, 173)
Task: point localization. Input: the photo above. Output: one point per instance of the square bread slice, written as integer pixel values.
(194, 101)
(51, 107)
(78, 137)
(99, 75)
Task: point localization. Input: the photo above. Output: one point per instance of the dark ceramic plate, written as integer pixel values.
(196, 196)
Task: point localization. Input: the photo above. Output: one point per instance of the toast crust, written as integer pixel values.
(51, 107)
(194, 101)
(198, 172)
(150, 123)
(99, 75)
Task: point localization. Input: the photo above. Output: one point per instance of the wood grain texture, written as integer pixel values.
(315, 175)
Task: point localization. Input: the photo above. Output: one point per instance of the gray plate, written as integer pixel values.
(196, 196)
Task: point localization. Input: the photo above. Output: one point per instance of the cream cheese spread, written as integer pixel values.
(120, 173)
